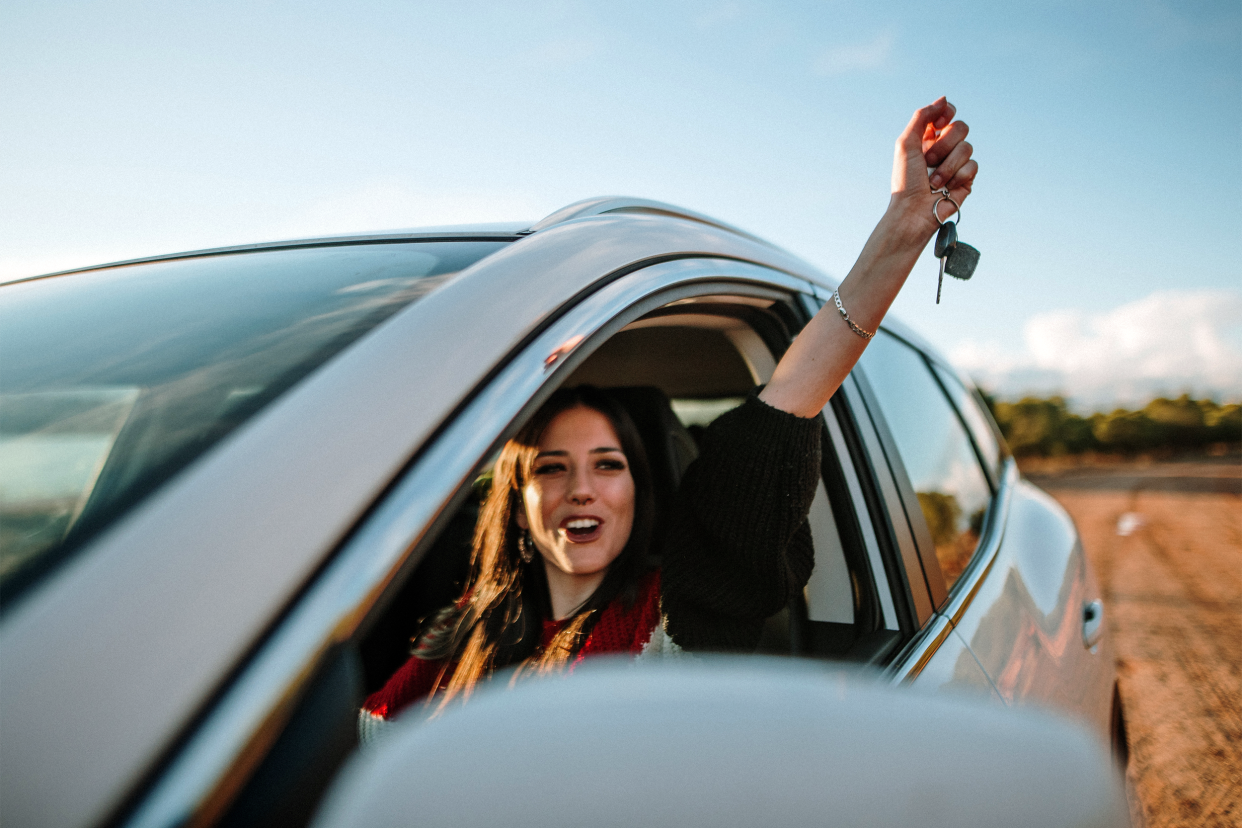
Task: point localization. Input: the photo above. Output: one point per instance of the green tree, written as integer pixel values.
(1178, 423)
(1223, 422)
(1043, 428)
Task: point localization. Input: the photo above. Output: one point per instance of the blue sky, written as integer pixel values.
(1109, 136)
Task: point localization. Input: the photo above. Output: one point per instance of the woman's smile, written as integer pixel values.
(578, 499)
(582, 529)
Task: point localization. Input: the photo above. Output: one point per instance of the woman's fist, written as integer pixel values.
(932, 139)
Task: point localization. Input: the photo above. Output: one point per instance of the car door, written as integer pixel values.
(943, 495)
(924, 646)
(278, 731)
(1002, 560)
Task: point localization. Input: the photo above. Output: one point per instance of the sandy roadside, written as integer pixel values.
(1169, 558)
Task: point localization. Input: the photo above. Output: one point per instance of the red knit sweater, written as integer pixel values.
(621, 628)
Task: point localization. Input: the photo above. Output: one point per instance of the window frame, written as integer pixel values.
(918, 524)
(230, 739)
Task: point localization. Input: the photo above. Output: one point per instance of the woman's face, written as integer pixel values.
(579, 501)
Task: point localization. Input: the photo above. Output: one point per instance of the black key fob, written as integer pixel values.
(962, 261)
(946, 239)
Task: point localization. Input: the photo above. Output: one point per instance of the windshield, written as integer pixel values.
(112, 381)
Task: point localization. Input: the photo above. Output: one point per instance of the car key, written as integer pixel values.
(961, 262)
(946, 241)
(957, 258)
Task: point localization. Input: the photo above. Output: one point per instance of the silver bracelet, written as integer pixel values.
(836, 297)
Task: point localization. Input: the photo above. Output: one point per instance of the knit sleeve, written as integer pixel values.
(738, 545)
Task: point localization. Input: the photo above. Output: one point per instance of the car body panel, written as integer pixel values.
(729, 743)
(1024, 621)
(940, 660)
(272, 501)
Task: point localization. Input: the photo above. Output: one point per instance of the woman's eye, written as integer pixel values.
(611, 465)
(550, 468)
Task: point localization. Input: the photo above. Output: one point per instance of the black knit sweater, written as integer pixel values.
(738, 545)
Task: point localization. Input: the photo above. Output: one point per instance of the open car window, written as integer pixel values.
(675, 371)
(409, 557)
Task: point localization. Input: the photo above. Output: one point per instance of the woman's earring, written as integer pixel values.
(525, 542)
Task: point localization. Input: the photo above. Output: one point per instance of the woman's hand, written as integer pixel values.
(932, 139)
(825, 351)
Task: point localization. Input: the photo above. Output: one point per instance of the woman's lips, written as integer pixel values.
(582, 528)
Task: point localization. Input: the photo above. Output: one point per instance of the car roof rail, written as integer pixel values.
(624, 204)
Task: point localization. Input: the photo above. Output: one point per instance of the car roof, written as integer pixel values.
(510, 231)
(507, 231)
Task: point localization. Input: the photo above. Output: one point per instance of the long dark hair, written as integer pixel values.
(506, 600)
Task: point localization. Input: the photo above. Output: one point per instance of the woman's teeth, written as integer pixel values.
(582, 525)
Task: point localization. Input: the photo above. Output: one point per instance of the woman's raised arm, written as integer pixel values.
(825, 351)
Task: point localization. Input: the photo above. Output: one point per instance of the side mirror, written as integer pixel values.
(720, 742)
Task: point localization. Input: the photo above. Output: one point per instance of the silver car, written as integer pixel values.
(234, 480)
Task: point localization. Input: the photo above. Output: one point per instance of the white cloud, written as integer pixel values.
(857, 56)
(1166, 343)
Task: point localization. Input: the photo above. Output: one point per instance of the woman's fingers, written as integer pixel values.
(959, 187)
(932, 117)
(948, 139)
(949, 166)
(946, 115)
(964, 179)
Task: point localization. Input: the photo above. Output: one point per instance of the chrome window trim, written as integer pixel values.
(245, 721)
(872, 544)
(895, 511)
(919, 651)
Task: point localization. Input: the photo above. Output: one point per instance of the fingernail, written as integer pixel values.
(941, 121)
(935, 182)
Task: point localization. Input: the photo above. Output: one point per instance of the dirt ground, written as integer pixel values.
(1166, 543)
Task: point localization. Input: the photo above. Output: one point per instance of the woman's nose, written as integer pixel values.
(580, 490)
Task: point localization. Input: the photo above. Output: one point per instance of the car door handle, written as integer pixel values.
(1092, 623)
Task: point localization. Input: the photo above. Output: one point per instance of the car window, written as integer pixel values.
(674, 375)
(115, 379)
(935, 450)
(976, 421)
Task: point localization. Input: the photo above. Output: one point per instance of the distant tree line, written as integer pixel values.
(1047, 428)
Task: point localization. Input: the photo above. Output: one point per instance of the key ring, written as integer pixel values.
(944, 194)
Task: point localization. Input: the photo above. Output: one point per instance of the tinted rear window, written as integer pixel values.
(112, 381)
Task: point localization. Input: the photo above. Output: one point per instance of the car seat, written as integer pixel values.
(670, 448)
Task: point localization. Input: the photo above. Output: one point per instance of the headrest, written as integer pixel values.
(670, 448)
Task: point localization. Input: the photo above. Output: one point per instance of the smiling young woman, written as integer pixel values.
(578, 504)
(561, 565)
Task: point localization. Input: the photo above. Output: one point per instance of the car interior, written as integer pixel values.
(674, 370)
